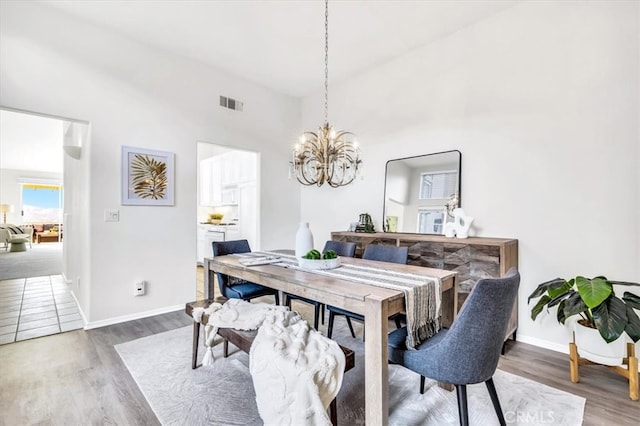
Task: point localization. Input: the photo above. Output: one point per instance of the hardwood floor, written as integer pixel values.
(607, 393)
(77, 378)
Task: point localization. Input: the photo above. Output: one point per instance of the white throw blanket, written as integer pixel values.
(235, 313)
(296, 371)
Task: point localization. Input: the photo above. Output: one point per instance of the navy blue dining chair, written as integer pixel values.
(469, 351)
(236, 288)
(379, 252)
(342, 248)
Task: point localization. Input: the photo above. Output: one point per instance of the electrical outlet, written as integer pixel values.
(139, 288)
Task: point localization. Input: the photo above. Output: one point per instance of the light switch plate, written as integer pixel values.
(111, 215)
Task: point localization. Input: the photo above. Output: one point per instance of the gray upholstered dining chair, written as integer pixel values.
(341, 248)
(234, 288)
(379, 252)
(469, 351)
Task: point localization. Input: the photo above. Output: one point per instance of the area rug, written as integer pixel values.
(223, 393)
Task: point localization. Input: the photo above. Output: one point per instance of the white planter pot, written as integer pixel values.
(322, 264)
(593, 347)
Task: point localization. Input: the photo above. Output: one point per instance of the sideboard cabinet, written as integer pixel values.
(472, 258)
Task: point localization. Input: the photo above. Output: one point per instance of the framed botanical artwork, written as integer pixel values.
(147, 177)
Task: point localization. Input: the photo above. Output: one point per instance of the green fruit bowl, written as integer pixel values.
(318, 263)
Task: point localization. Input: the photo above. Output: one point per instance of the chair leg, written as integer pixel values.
(422, 379)
(330, 326)
(322, 312)
(225, 348)
(461, 391)
(496, 402)
(287, 301)
(316, 316)
(333, 412)
(277, 296)
(398, 321)
(353, 334)
(196, 338)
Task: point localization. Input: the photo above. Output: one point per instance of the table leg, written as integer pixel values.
(209, 280)
(376, 362)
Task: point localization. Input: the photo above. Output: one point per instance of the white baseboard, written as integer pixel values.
(67, 280)
(84, 318)
(557, 347)
(125, 318)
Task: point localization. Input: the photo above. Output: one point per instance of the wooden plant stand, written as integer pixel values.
(630, 373)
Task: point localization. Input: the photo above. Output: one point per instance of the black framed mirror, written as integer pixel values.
(420, 191)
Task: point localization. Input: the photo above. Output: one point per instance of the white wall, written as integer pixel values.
(542, 101)
(138, 96)
(77, 231)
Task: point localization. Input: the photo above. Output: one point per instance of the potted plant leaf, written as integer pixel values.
(595, 303)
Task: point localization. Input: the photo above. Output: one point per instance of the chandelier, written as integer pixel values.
(327, 156)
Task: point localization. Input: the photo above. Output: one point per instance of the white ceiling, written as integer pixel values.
(275, 43)
(280, 43)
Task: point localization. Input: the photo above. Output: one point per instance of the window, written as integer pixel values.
(437, 185)
(41, 203)
(431, 220)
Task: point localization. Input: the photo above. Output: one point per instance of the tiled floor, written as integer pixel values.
(35, 307)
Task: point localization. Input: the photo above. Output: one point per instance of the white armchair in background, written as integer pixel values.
(9, 232)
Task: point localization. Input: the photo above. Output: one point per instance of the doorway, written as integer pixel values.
(228, 199)
(40, 176)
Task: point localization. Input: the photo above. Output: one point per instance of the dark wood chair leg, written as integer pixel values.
(353, 334)
(196, 338)
(316, 316)
(330, 326)
(277, 296)
(333, 412)
(461, 391)
(496, 402)
(398, 321)
(422, 379)
(321, 305)
(225, 348)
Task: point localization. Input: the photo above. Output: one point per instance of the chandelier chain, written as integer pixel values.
(326, 61)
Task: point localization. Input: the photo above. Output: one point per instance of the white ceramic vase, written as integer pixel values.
(462, 223)
(304, 239)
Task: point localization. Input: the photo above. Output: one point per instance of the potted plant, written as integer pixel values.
(595, 302)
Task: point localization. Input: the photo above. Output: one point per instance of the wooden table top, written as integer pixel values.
(334, 290)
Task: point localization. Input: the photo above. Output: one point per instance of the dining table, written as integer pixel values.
(375, 302)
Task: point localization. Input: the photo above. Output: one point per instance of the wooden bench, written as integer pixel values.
(244, 339)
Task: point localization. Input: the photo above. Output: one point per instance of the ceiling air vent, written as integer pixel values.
(233, 104)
